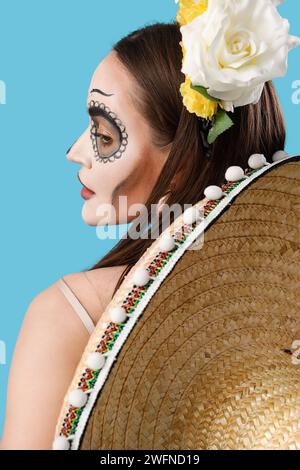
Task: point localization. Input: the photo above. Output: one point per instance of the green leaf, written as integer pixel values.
(203, 92)
(222, 122)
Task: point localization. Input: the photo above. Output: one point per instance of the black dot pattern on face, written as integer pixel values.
(124, 136)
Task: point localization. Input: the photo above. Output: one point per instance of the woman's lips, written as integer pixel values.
(86, 193)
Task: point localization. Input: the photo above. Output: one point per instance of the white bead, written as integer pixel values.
(234, 173)
(95, 361)
(256, 161)
(141, 277)
(167, 242)
(295, 359)
(118, 314)
(78, 398)
(296, 344)
(191, 215)
(213, 193)
(280, 155)
(61, 443)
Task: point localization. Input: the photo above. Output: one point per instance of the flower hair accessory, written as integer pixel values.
(230, 49)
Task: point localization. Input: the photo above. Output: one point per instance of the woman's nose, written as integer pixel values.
(80, 151)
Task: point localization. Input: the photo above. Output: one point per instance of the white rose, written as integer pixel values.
(234, 47)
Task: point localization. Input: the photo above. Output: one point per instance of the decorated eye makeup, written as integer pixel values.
(108, 133)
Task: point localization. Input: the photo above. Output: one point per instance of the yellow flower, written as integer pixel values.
(194, 101)
(197, 103)
(189, 10)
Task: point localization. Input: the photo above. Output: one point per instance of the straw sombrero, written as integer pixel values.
(208, 357)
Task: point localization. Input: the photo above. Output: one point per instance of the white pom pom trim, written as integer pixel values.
(213, 193)
(61, 443)
(256, 161)
(234, 173)
(141, 277)
(192, 215)
(77, 398)
(167, 243)
(280, 155)
(95, 361)
(296, 344)
(118, 314)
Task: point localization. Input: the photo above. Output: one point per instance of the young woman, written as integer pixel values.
(142, 144)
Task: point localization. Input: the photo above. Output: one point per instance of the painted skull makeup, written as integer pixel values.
(108, 133)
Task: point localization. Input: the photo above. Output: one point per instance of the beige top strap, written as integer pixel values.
(79, 309)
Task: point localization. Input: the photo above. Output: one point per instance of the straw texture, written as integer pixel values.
(209, 363)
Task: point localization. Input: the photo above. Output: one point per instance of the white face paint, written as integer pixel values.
(115, 152)
(110, 145)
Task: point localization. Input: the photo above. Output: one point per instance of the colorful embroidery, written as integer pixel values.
(71, 421)
(89, 377)
(113, 330)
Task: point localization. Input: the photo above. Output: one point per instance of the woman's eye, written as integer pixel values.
(105, 139)
(105, 145)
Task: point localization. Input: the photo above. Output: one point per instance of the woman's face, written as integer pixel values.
(119, 163)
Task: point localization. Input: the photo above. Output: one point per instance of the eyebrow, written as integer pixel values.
(96, 90)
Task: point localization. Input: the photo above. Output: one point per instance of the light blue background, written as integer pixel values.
(48, 51)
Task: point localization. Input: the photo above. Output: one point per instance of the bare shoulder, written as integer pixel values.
(94, 289)
(48, 348)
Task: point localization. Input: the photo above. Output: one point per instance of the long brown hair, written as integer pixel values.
(153, 56)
